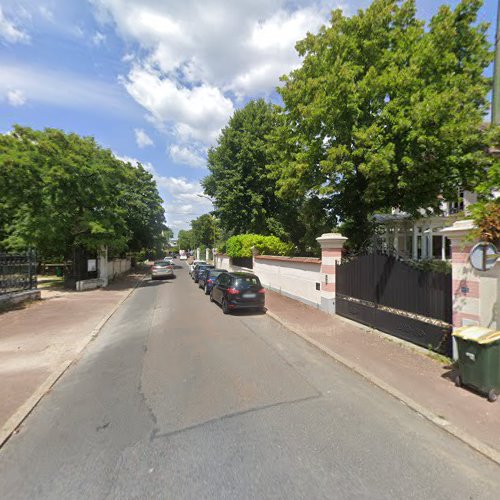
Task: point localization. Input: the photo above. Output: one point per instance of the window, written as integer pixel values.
(247, 281)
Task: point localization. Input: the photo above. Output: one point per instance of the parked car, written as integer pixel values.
(207, 279)
(162, 269)
(194, 264)
(238, 291)
(199, 269)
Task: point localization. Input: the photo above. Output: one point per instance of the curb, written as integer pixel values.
(443, 424)
(10, 427)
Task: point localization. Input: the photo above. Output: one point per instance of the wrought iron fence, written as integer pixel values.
(246, 262)
(17, 272)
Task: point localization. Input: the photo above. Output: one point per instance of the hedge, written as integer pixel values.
(241, 245)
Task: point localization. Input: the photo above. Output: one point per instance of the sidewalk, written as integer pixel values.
(39, 342)
(407, 372)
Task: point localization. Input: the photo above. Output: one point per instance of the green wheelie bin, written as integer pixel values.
(479, 360)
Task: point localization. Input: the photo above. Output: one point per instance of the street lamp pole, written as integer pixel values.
(214, 228)
(495, 105)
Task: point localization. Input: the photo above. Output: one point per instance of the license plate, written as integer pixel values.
(249, 295)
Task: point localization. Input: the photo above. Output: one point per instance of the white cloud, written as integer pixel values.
(192, 59)
(196, 113)
(187, 156)
(10, 32)
(46, 13)
(16, 97)
(99, 38)
(78, 31)
(142, 138)
(182, 202)
(60, 88)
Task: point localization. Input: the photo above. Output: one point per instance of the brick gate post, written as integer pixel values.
(331, 253)
(476, 294)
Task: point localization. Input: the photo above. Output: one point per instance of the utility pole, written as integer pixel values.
(495, 106)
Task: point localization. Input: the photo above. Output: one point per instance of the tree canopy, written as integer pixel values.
(245, 189)
(59, 191)
(385, 112)
(205, 230)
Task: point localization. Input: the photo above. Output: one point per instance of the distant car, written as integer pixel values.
(207, 279)
(194, 264)
(162, 269)
(238, 291)
(199, 269)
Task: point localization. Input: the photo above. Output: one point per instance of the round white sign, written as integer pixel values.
(483, 256)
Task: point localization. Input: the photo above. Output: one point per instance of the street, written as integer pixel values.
(175, 400)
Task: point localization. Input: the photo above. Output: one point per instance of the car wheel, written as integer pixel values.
(212, 297)
(206, 290)
(492, 396)
(199, 285)
(225, 308)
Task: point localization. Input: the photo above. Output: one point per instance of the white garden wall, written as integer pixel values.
(295, 277)
(117, 267)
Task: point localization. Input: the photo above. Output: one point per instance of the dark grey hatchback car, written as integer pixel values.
(238, 291)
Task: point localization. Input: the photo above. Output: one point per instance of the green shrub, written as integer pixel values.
(241, 245)
(437, 266)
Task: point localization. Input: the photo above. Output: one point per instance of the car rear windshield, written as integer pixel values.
(162, 263)
(214, 274)
(247, 282)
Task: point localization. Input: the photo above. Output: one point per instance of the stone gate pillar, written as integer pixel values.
(331, 253)
(102, 266)
(475, 294)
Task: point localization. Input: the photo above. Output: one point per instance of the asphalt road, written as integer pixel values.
(174, 400)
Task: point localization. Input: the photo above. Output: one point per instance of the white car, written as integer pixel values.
(162, 269)
(191, 266)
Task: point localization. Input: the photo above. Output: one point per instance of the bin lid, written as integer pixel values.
(478, 334)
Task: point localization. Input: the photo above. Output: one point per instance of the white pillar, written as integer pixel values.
(429, 247)
(331, 253)
(197, 254)
(415, 242)
(102, 266)
(396, 239)
(443, 247)
(207, 254)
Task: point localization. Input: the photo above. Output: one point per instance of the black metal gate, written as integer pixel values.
(17, 272)
(383, 292)
(77, 268)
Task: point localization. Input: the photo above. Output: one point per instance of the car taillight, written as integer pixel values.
(210, 281)
(233, 291)
(262, 290)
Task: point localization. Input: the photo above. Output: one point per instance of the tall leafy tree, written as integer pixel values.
(144, 212)
(385, 113)
(245, 188)
(205, 230)
(185, 239)
(240, 182)
(60, 191)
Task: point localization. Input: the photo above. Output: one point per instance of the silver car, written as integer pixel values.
(162, 269)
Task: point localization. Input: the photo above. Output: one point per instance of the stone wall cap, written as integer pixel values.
(301, 260)
(331, 241)
(459, 228)
(331, 236)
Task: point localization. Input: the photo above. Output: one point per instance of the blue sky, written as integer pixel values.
(154, 80)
